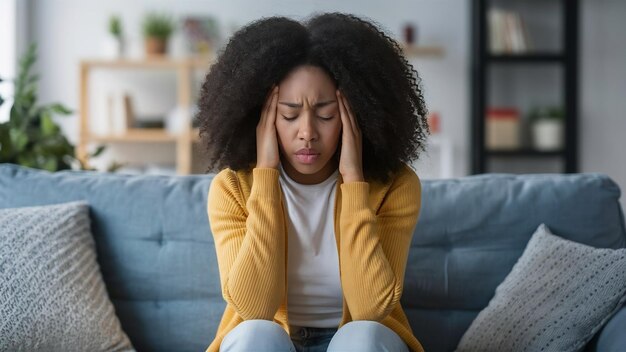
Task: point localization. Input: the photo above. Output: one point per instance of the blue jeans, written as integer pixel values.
(264, 335)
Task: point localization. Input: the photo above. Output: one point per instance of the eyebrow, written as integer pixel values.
(294, 105)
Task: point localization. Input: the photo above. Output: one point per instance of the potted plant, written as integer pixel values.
(31, 137)
(547, 128)
(157, 29)
(114, 43)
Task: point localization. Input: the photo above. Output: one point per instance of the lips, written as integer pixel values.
(307, 155)
(307, 151)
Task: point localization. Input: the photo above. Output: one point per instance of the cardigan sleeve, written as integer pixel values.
(374, 246)
(250, 242)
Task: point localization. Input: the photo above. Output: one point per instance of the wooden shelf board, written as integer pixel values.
(526, 57)
(141, 135)
(156, 62)
(417, 50)
(524, 153)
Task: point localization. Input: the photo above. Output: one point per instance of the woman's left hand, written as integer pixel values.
(351, 160)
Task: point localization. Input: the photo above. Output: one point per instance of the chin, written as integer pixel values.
(307, 169)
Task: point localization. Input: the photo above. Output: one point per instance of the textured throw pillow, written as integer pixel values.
(556, 297)
(52, 296)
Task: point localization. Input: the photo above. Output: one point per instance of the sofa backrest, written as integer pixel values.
(156, 251)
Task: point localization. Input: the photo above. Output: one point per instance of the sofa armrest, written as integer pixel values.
(611, 338)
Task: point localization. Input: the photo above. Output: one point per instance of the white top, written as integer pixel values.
(314, 288)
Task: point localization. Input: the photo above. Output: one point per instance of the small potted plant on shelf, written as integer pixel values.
(157, 29)
(114, 44)
(547, 128)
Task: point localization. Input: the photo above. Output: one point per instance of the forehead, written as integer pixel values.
(307, 80)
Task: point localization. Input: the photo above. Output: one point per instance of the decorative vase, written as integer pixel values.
(155, 46)
(113, 47)
(548, 135)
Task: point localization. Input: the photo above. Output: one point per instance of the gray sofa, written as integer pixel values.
(156, 253)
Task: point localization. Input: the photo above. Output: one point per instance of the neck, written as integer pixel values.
(310, 179)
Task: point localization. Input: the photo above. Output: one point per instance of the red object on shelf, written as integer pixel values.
(502, 113)
(502, 128)
(409, 34)
(434, 122)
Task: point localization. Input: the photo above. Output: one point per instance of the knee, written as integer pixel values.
(367, 336)
(257, 335)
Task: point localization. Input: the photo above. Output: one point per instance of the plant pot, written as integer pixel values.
(112, 47)
(155, 46)
(548, 135)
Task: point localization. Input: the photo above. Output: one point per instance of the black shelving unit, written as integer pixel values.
(482, 60)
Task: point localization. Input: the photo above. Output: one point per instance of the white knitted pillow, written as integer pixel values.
(52, 296)
(556, 297)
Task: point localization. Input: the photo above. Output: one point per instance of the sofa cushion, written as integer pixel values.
(557, 296)
(53, 296)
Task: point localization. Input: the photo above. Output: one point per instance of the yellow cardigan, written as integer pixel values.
(374, 224)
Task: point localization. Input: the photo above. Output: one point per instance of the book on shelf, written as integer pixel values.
(120, 115)
(507, 32)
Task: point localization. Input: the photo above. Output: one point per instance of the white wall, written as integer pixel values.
(8, 15)
(603, 90)
(70, 30)
(14, 38)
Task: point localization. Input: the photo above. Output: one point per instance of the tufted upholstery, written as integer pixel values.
(157, 256)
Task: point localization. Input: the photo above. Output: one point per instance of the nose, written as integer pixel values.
(306, 129)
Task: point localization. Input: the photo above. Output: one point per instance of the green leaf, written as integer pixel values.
(60, 109)
(98, 151)
(50, 164)
(27, 159)
(6, 147)
(158, 25)
(32, 79)
(19, 139)
(115, 26)
(48, 127)
(16, 114)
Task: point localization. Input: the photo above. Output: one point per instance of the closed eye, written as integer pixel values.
(289, 118)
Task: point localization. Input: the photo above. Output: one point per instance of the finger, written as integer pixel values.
(351, 117)
(268, 104)
(342, 112)
(273, 109)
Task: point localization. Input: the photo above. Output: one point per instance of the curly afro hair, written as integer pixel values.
(366, 65)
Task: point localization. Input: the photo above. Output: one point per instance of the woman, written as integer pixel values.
(311, 126)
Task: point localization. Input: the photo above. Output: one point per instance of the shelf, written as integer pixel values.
(141, 135)
(544, 74)
(166, 63)
(524, 153)
(183, 67)
(421, 51)
(526, 58)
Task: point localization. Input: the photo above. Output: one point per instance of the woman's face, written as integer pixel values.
(308, 117)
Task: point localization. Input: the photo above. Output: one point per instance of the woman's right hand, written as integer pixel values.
(266, 140)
